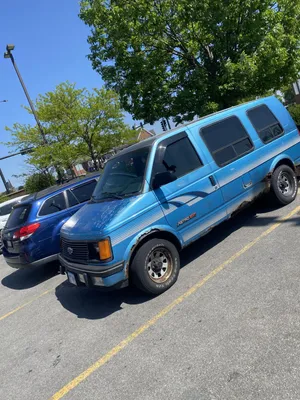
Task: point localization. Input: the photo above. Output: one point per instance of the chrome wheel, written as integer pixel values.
(285, 183)
(159, 265)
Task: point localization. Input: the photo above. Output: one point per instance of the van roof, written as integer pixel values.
(148, 142)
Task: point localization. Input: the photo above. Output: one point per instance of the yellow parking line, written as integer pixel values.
(26, 304)
(124, 343)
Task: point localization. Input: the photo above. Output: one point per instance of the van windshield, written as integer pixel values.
(123, 176)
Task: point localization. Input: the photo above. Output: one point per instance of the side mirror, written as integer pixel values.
(162, 178)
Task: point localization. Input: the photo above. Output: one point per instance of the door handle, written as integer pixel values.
(212, 180)
(246, 185)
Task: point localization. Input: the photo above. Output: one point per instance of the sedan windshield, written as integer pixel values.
(123, 176)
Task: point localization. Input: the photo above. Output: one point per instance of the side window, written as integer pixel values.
(265, 123)
(227, 140)
(180, 158)
(72, 199)
(84, 192)
(53, 205)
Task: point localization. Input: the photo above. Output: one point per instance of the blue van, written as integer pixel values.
(31, 236)
(159, 195)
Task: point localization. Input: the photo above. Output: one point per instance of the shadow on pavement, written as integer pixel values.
(94, 304)
(22, 279)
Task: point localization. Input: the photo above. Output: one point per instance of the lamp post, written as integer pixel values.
(8, 54)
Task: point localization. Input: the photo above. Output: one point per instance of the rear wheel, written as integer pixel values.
(284, 185)
(155, 267)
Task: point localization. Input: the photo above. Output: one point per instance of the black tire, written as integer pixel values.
(145, 273)
(284, 185)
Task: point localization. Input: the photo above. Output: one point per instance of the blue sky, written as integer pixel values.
(50, 47)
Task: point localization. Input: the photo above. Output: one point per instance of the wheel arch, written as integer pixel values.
(282, 160)
(153, 233)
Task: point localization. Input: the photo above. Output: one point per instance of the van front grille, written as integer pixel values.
(73, 250)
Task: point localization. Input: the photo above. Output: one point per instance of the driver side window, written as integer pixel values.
(180, 158)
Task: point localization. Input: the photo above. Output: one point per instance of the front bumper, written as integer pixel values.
(94, 276)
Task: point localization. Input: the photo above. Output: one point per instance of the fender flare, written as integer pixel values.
(149, 232)
(278, 159)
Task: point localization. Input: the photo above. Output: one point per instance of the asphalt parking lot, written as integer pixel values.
(228, 329)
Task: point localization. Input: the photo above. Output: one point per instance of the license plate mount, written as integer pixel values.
(72, 278)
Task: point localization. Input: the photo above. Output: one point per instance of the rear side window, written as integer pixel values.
(53, 205)
(84, 192)
(227, 140)
(265, 123)
(180, 158)
(18, 216)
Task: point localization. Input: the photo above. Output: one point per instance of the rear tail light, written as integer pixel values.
(26, 231)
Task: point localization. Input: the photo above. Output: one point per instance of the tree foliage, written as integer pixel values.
(78, 125)
(38, 181)
(183, 58)
(294, 110)
(288, 94)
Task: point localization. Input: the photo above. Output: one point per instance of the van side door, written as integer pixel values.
(192, 203)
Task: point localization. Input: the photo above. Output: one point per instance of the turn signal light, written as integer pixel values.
(105, 252)
(26, 231)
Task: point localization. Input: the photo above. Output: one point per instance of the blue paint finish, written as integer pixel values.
(208, 195)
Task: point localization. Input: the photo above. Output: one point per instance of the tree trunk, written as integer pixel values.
(94, 159)
(72, 171)
(59, 174)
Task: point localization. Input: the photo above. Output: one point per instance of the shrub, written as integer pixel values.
(38, 181)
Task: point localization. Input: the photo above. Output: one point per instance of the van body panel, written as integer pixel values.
(191, 203)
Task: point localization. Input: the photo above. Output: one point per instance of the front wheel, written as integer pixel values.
(284, 185)
(155, 267)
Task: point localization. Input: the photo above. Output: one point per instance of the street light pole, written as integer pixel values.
(8, 54)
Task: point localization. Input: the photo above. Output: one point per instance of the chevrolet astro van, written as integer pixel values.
(158, 196)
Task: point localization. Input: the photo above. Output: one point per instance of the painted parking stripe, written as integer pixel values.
(26, 304)
(124, 343)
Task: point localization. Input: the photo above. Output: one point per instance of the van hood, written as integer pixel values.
(99, 219)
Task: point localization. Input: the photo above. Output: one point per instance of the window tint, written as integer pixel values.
(265, 123)
(53, 205)
(72, 199)
(180, 158)
(18, 216)
(84, 192)
(227, 140)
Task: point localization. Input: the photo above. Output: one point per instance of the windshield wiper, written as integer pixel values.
(110, 194)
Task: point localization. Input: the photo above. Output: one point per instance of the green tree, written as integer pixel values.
(181, 58)
(38, 181)
(294, 110)
(78, 124)
(288, 94)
